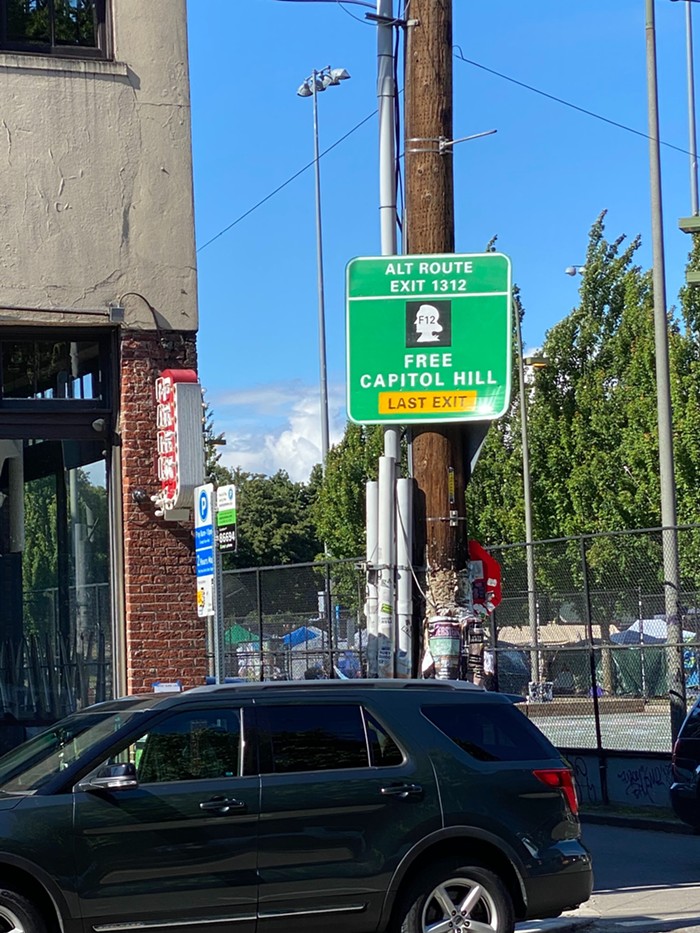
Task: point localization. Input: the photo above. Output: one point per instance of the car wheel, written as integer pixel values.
(454, 898)
(18, 915)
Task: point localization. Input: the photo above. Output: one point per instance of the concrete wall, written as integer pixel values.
(632, 779)
(96, 167)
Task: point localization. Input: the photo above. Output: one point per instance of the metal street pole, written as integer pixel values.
(527, 495)
(319, 279)
(692, 134)
(319, 81)
(386, 102)
(676, 685)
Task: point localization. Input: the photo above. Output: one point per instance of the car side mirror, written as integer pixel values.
(111, 778)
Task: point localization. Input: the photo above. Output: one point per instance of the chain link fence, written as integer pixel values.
(598, 648)
(594, 662)
(295, 622)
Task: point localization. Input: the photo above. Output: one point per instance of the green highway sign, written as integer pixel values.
(428, 338)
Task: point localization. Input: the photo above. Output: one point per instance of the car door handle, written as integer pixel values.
(402, 790)
(222, 804)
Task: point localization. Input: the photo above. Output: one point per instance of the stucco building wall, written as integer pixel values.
(96, 163)
(96, 212)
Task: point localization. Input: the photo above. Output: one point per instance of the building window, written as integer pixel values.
(54, 370)
(54, 27)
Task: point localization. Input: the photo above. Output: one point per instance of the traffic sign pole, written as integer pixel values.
(209, 578)
(218, 625)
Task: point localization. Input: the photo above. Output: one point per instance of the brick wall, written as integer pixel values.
(165, 640)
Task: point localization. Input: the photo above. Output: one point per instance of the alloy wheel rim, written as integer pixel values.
(459, 905)
(10, 922)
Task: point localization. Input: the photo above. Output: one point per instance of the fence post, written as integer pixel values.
(258, 599)
(494, 650)
(329, 615)
(602, 763)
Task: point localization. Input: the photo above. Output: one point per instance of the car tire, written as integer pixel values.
(447, 889)
(19, 915)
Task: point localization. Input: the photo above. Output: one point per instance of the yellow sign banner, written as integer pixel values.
(391, 403)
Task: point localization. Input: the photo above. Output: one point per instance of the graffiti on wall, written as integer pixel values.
(645, 782)
(586, 783)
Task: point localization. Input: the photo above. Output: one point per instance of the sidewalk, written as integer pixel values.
(563, 924)
(649, 818)
(653, 818)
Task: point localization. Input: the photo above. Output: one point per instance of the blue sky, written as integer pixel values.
(538, 184)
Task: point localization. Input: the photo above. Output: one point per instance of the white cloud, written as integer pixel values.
(276, 426)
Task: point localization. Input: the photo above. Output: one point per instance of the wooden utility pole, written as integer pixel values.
(439, 452)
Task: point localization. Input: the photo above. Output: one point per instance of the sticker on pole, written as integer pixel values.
(428, 338)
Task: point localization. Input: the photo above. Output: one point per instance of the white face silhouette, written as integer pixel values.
(427, 324)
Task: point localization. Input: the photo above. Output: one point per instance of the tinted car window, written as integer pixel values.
(313, 738)
(383, 750)
(197, 745)
(691, 727)
(490, 732)
(36, 762)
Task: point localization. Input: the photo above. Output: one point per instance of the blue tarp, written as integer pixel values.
(299, 636)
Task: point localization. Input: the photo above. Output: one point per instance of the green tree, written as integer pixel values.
(494, 496)
(275, 523)
(593, 412)
(339, 511)
(592, 419)
(214, 471)
(40, 557)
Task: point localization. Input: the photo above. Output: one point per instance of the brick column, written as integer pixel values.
(165, 639)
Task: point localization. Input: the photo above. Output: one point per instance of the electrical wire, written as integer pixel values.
(285, 183)
(398, 182)
(560, 100)
(459, 54)
(365, 22)
(356, 2)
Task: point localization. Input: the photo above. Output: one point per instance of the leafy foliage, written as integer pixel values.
(275, 521)
(339, 512)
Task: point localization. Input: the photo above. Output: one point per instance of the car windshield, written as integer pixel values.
(34, 763)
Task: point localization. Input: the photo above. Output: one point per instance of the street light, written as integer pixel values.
(316, 82)
(692, 135)
(669, 530)
(573, 270)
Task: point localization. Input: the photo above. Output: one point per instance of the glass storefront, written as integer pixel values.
(55, 607)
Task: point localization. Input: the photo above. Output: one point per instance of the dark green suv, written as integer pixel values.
(409, 806)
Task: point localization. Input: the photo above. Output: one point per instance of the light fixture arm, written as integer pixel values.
(444, 144)
(441, 145)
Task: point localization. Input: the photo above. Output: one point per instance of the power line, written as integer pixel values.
(285, 183)
(459, 55)
(560, 100)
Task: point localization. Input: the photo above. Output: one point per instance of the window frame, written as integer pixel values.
(102, 50)
(266, 750)
(36, 409)
(498, 713)
(155, 718)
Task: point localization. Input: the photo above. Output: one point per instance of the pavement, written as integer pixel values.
(654, 818)
(589, 915)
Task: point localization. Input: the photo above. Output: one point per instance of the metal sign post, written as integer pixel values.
(209, 581)
(218, 626)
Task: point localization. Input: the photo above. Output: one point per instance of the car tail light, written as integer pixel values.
(564, 780)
